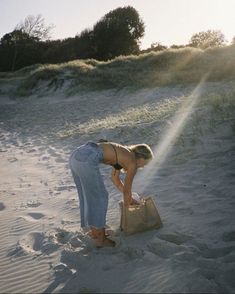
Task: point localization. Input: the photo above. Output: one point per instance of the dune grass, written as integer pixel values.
(132, 117)
(212, 111)
(168, 67)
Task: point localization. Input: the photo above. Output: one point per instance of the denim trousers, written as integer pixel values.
(93, 197)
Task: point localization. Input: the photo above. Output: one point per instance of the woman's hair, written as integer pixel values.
(142, 151)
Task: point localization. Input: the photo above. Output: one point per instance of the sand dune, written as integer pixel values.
(43, 249)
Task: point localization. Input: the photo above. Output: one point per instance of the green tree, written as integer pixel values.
(84, 44)
(177, 46)
(18, 49)
(118, 33)
(210, 38)
(57, 51)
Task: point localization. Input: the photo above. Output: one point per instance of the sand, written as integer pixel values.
(43, 249)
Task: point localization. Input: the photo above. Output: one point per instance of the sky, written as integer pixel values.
(166, 21)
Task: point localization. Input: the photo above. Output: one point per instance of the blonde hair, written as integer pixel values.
(142, 151)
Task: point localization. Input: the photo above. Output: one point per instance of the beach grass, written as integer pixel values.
(153, 69)
(211, 111)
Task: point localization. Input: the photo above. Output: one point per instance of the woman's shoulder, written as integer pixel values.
(111, 143)
(120, 148)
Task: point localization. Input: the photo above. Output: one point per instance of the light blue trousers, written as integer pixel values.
(93, 196)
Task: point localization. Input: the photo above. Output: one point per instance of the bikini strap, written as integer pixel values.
(115, 152)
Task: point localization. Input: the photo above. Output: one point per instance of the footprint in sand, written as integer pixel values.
(63, 236)
(218, 252)
(45, 158)
(33, 216)
(31, 150)
(36, 215)
(32, 242)
(2, 206)
(163, 248)
(177, 239)
(33, 204)
(12, 159)
(35, 243)
(60, 160)
(30, 204)
(75, 239)
(166, 245)
(229, 278)
(130, 253)
(229, 236)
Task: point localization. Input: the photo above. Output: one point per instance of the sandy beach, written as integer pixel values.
(43, 249)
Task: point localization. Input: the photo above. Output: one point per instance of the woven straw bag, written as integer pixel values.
(139, 218)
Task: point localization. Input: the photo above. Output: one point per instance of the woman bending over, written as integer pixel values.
(93, 196)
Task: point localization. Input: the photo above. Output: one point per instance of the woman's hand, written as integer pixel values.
(134, 202)
(130, 202)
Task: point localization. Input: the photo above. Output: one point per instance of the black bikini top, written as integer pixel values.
(117, 166)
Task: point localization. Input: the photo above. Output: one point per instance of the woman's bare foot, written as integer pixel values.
(105, 243)
(100, 238)
(93, 235)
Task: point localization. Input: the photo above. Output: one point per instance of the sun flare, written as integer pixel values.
(163, 148)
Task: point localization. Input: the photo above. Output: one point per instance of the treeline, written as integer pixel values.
(117, 33)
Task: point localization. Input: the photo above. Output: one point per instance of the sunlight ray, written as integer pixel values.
(163, 148)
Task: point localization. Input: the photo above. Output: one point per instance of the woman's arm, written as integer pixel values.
(127, 188)
(127, 196)
(116, 179)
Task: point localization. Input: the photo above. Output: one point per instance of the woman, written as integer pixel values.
(93, 196)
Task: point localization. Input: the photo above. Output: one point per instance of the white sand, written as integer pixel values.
(42, 248)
